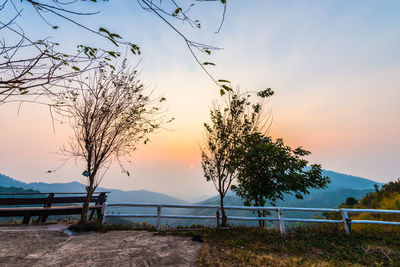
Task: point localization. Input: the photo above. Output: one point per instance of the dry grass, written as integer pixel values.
(322, 246)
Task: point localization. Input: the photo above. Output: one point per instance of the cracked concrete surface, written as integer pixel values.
(51, 246)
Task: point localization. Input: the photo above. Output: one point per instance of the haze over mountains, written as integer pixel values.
(115, 195)
(341, 186)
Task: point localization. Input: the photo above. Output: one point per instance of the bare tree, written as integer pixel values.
(109, 113)
(27, 78)
(230, 123)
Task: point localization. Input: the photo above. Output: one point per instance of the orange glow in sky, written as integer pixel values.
(334, 67)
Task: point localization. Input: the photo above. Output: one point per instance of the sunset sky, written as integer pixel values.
(334, 67)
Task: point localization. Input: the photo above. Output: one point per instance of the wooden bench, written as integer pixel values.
(38, 204)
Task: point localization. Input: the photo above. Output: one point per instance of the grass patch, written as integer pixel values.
(311, 246)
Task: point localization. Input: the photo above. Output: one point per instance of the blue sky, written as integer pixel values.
(334, 66)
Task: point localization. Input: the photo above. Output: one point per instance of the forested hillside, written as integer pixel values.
(15, 190)
(387, 197)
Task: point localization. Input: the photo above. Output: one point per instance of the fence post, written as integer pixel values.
(158, 226)
(346, 221)
(281, 221)
(217, 214)
(103, 212)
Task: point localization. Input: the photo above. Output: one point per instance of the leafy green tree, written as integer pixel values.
(230, 123)
(270, 169)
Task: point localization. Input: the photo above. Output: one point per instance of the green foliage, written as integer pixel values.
(351, 201)
(209, 63)
(269, 169)
(387, 197)
(224, 135)
(373, 200)
(266, 93)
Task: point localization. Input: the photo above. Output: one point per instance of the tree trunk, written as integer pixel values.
(260, 213)
(264, 215)
(85, 208)
(260, 222)
(224, 219)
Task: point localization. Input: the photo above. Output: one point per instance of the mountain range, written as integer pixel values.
(341, 187)
(115, 195)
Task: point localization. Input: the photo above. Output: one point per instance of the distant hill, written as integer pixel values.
(386, 198)
(321, 199)
(317, 199)
(7, 181)
(56, 187)
(116, 195)
(340, 180)
(15, 190)
(341, 187)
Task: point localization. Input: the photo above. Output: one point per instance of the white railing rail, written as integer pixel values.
(345, 219)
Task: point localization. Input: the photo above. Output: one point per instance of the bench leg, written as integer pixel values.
(43, 218)
(99, 215)
(27, 218)
(91, 215)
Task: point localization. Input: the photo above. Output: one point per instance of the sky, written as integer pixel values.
(334, 67)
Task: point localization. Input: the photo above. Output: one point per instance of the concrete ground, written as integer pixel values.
(50, 245)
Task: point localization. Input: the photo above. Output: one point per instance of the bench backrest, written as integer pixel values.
(98, 198)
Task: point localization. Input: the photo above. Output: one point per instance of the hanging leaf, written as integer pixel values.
(227, 88)
(101, 29)
(176, 12)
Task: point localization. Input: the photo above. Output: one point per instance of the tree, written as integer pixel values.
(36, 67)
(351, 201)
(269, 169)
(109, 113)
(224, 135)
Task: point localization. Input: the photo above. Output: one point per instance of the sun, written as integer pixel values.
(191, 166)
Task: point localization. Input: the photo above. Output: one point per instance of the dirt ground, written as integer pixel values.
(51, 246)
